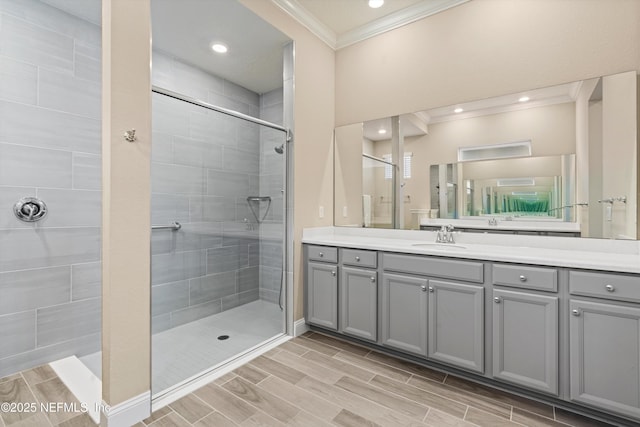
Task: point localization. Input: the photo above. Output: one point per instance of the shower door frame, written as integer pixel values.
(184, 387)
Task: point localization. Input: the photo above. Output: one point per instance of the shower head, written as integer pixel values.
(280, 149)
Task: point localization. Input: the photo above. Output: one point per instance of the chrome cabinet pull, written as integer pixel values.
(497, 300)
(431, 289)
(321, 254)
(373, 279)
(523, 278)
(610, 288)
(358, 259)
(424, 288)
(333, 273)
(575, 312)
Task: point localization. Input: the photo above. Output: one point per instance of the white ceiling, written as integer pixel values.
(186, 28)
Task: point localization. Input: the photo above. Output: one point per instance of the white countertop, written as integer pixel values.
(594, 254)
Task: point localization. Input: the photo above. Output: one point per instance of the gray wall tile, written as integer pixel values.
(169, 115)
(71, 208)
(54, 19)
(248, 136)
(211, 208)
(161, 148)
(22, 40)
(176, 266)
(34, 167)
(241, 161)
(166, 208)
(68, 321)
(239, 299)
(41, 127)
(87, 171)
(160, 323)
(35, 248)
(86, 281)
(195, 312)
(63, 92)
(248, 279)
(239, 93)
(87, 68)
(191, 152)
(175, 179)
(78, 347)
(213, 127)
(30, 289)
(18, 81)
(18, 333)
(90, 50)
(212, 287)
(229, 258)
(169, 297)
(270, 278)
(228, 184)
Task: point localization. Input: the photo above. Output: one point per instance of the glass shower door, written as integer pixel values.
(217, 246)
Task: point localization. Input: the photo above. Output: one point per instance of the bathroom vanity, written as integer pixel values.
(554, 318)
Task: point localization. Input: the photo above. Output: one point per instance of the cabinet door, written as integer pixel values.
(322, 298)
(605, 356)
(525, 340)
(359, 303)
(404, 313)
(456, 324)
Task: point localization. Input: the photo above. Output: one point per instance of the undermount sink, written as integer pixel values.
(444, 246)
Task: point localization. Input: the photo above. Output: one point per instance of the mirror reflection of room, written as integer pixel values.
(525, 163)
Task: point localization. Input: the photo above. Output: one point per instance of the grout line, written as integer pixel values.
(424, 419)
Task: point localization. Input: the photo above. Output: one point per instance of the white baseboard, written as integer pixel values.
(127, 413)
(300, 327)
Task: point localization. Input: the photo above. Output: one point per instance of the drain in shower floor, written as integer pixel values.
(223, 337)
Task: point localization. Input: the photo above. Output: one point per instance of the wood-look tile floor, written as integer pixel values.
(310, 381)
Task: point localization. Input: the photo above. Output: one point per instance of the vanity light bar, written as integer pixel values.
(497, 151)
(516, 182)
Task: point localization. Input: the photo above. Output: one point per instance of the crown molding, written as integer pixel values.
(395, 20)
(387, 23)
(308, 20)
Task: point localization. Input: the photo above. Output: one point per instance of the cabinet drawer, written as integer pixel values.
(604, 285)
(323, 253)
(447, 268)
(359, 257)
(520, 276)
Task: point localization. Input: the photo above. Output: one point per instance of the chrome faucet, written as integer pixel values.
(493, 221)
(445, 235)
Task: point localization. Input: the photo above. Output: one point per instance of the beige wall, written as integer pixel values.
(485, 48)
(348, 175)
(314, 112)
(126, 104)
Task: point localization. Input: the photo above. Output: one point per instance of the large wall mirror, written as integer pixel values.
(560, 160)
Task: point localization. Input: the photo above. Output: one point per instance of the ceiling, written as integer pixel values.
(185, 29)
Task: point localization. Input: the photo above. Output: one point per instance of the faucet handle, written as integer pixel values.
(449, 228)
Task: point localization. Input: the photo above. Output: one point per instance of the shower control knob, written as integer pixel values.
(30, 209)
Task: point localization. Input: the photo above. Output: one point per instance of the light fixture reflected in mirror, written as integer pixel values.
(374, 4)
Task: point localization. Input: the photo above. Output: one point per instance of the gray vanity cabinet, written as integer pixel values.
(359, 303)
(456, 324)
(525, 339)
(604, 349)
(404, 313)
(322, 294)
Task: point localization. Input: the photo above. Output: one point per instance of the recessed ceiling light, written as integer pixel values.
(523, 99)
(458, 110)
(374, 4)
(382, 131)
(219, 48)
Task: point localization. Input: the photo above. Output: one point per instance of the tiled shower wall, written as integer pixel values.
(204, 166)
(49, 148)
